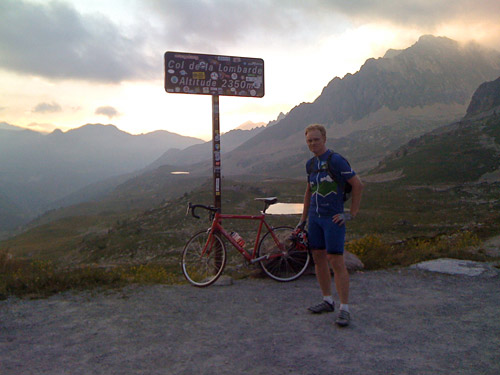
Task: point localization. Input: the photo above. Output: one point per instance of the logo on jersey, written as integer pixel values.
(326, 185)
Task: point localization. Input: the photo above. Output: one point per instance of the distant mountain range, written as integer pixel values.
(6, 126)
(369, 115)
(200, 152)
(37, 169)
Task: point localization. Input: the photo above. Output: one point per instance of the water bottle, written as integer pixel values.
(240, 241)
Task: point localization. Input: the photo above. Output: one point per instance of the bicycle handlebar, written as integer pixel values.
(193, 207)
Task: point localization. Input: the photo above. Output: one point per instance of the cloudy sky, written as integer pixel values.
(66, 63)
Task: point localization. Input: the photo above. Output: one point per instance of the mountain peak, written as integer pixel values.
(433, 70)
(249, 125)
(109, 127)
(424, 42)
(7, 126)
(96, 130)
(392, 53)
(433, 40)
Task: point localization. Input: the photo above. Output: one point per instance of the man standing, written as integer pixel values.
(328, 173)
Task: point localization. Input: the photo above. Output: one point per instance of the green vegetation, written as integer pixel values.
(464, 153)
(42, 278)
(399, 225)
(376, 253)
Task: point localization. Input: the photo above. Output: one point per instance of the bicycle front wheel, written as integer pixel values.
(203, 260)
(283, 261)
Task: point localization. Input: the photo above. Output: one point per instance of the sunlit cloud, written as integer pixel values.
(47, 108)
(107, 111)
(204, 25)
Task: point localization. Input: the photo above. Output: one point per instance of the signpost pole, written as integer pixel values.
(216, 152)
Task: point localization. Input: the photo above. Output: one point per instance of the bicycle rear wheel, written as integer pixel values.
(283, 262)
(203, 268)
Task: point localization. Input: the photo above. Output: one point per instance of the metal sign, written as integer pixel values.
(193, 73)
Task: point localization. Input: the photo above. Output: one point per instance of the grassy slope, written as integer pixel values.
(145, 247)
(460, 155)
(391, 210)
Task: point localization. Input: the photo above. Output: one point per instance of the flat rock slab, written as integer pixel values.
(457, 267)
(492, 246)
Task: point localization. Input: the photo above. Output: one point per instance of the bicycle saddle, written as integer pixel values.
(269, 201)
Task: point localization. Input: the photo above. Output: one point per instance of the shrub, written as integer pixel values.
(371, 250)
(148, 274)
(456, 245)
(42, 278)
(375, 253)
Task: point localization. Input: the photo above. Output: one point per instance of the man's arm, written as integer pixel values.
(307, 202)
(357, 189)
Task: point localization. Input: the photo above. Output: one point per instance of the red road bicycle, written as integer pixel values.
(282, 253)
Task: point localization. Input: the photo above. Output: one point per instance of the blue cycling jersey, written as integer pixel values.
(326, 194)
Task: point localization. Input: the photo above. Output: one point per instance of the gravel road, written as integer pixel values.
(404, 322)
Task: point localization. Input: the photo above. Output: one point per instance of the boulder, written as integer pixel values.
(352, 262)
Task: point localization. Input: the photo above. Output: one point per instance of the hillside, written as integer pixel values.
(201, 152)
(463, 152)
(486, 100)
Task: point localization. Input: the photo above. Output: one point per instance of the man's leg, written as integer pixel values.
(342, 284)
(324, 281)
(322, 271)
(317, 241)
(341, 276)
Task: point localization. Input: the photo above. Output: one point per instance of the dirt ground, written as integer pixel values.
(404, 322)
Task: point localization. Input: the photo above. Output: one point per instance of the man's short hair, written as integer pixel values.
(318, 127)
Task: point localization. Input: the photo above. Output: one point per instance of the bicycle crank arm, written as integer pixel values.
(259, 259)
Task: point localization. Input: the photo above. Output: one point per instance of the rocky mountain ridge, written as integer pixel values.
(486, 99)
(467, 151)
(386, 103)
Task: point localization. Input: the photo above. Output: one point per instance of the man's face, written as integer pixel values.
(316, 142)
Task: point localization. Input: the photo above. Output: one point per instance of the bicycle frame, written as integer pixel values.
(218, 228)
(204, 256)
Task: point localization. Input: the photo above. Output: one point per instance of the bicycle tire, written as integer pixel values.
(203, 270)
(290, 265)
